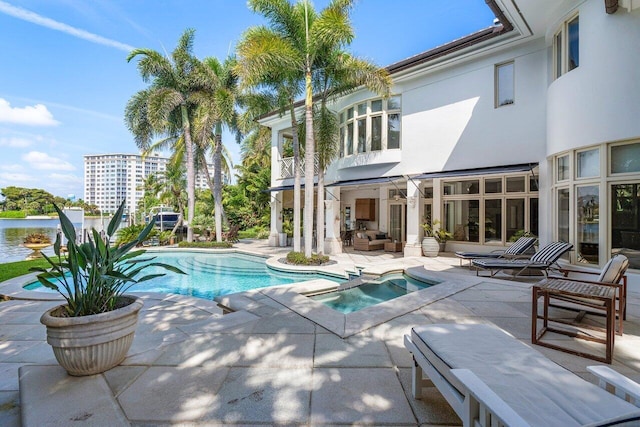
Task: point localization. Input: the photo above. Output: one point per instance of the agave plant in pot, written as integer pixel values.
(93, 331)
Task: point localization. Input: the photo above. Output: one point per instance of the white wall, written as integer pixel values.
(600, 100)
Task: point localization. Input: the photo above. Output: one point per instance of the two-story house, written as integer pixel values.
(531, 125)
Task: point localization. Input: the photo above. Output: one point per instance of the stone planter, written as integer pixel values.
(36, 248)
(430, 247)
(89, 345)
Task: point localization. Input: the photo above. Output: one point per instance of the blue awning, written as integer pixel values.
(287, 187)
(478, 171)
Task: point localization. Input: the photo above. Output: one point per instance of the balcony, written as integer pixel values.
(286, 166)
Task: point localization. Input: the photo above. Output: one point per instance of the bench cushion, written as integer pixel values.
(539, 390)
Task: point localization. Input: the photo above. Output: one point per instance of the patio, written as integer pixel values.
(265, 364)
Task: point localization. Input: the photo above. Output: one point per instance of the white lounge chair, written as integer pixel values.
(491, 379)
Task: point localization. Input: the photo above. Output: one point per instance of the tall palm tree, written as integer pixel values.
(293, 44)
(217, 111)
(165, 107)
(339, 74)
(257, 65)
(173, 191)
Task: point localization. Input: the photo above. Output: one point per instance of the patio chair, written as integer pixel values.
(518, 249)
(605, 296)
(541, 261)
(491, 378)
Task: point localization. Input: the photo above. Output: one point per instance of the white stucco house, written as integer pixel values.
(530, 125)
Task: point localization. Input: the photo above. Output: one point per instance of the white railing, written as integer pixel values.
(286, 166)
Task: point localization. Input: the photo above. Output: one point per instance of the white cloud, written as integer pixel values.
(11, 167)
(15, 142)
(42, 161)
(26, 15)
(36, 115)
(16, 179)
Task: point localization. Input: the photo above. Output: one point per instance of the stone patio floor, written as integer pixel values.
(265, 364)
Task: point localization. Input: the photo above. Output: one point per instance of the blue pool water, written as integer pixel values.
(386, 288)
(212, 274)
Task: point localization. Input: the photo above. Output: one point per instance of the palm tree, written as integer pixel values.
(340, 74)
(165, 107)
(258, 54)
(173, 191)
(294, 44)
(216, 111)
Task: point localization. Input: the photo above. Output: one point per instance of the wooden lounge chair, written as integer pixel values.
(605, 296)
(492, 379)
(541, 261)
(519, 248)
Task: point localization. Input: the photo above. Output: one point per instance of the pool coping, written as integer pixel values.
(294, 297)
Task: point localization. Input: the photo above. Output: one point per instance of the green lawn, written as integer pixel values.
(10, 270)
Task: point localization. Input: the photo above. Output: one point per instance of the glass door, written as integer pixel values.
(397, 220)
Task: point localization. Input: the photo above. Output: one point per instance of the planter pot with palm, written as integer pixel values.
(430, 246)
(94, 330)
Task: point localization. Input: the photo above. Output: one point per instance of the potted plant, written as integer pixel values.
(93, 331)
(430, 246)
(36, 242)
(442, 236)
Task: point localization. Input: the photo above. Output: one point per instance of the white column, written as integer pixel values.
(414, 200)
(276, 218)
(332, 241)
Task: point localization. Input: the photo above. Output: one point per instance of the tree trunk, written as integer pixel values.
(217, 182)
(296, 180)
(320, 214)
(309, 164)
(191, 173)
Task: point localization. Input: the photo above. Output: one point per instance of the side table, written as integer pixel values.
(393, 247)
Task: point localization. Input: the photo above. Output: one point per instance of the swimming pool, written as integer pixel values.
(386, 288)
(210, 275)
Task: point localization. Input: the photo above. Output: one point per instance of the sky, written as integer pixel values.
(65, 81)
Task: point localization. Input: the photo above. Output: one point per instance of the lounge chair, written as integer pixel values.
(605, 296)
(517, 249)
(492, 379)
(542, 260)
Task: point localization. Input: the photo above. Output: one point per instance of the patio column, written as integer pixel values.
(276, 218)
(332, 220)
(414, 200)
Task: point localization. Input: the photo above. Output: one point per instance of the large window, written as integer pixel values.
(596, 228)
(566, 46)
(373, 125)
(504, 83)
(495, 209)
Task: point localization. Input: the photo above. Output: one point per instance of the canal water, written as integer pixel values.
(14, 231)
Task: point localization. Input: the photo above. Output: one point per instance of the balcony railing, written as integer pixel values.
(286, 166)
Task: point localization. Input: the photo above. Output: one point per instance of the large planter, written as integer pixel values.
(89, 345)
(36, 248)
(430, 247)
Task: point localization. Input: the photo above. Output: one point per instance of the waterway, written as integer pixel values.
(14, 231)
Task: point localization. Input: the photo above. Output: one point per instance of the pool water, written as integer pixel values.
(372, 293)
(210, 275)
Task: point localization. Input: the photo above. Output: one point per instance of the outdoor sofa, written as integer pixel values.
(370, 240)
(492, 379)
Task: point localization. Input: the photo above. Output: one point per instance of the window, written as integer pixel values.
(625, 158)
(588, 163)
(372, 125)
(562, 168)
(566, 46)
(504, 84)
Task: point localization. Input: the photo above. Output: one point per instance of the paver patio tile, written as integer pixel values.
(496, 309)
(120, 377)
(11, 348)
(364, 396)
(172, 394)
(358, 351)
(10, 408)
(432, 407)
(284, 323)
(263, 396)
(41, 353)
(51, 397)
(9, 376)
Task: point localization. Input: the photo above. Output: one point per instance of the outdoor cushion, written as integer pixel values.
(614, 269)
(540, 391)
(381, 236)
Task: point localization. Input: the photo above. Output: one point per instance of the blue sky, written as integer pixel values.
(65, 81)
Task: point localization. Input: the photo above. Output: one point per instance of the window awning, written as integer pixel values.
(378, 180)
(286, 187)
(478, 171)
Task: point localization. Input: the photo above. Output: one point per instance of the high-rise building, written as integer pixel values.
(109, 178)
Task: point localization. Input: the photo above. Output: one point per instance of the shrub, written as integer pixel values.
(13, 214)
(210, 245)
(298, 258)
